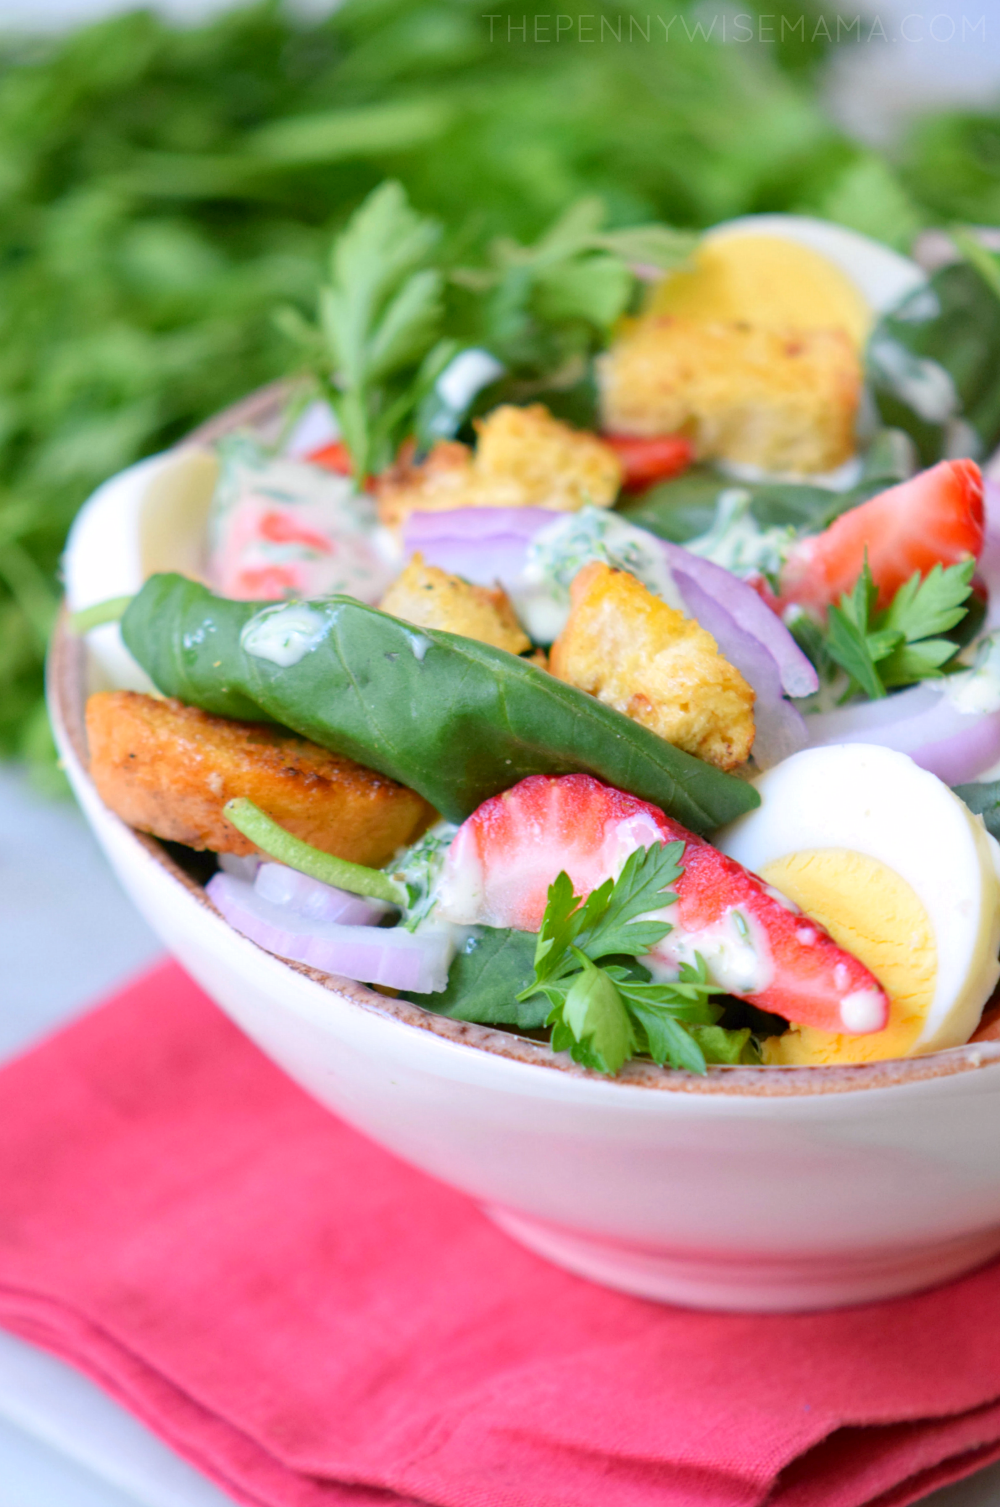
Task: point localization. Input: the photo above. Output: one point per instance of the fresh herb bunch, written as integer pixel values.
(900, 645)
(604, 1008)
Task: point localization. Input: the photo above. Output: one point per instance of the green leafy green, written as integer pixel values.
(934, 363)
(590, 1020)
(551, 304)
(898, 646)
(580, 976)
(380, 321)
(604, 1009)
(485, 979)
(689, 506)
(726, 1046)
(984, 801)
(454, 719)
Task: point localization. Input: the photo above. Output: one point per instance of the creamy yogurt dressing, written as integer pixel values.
(735, 949)
(736, 540)
(285, 634)
(976, 691)
(562, 548)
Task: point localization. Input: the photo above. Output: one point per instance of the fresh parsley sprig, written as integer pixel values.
(546, 306)
(899, 645)
(605, 1008)
(379, 347)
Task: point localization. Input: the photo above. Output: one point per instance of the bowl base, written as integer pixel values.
(754, 1283)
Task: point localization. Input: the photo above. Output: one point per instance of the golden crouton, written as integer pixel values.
(169, 769)
(431, 598)
(524, 458)
(783, 401)
(633, 652)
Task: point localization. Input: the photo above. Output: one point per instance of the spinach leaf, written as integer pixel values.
(685, 508)
(487, 975)
(983, 800)
(934, 365)
(454, 719)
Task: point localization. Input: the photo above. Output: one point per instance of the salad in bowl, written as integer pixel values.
(595, 659)
(463, 725)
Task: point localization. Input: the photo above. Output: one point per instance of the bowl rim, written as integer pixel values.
(66, 680)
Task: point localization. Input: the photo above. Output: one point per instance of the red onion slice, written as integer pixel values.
(483, 545)
(313, 899)
(749, 612)
(477, 524)
(922, 722)
(396, 958)
(780, 727)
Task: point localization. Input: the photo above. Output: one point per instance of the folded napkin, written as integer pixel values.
(314, 1324)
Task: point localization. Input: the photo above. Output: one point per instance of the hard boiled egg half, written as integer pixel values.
(789, 272)
(900, 873)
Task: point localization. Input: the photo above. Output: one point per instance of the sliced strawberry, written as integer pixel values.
(332, 457)
(645, 461)
(283, 528)
(757, 944)
(507, 853)
(934, 518)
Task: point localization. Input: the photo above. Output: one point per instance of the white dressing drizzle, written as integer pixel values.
(562, 548)
(735, 949)
(284, 634)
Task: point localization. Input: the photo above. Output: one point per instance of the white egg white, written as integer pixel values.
(876, 801)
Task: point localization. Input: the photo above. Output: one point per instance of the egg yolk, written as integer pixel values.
(764, 280)
(874, 914)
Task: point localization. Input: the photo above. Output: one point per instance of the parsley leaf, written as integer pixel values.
(617, 924)
(549, 305)
(898, 646)
(592, 1021)
(604, 1011)
(380, 318)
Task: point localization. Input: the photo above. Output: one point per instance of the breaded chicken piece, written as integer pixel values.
(169, 769)
(781, 401)
(431, 598)
(524, 458)
(625, 646)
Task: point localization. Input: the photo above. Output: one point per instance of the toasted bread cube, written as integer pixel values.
(527, 459)
(169, 769)
(440, 483)
(431, 598)
(784, 401)
(524, 458)
(625, 646)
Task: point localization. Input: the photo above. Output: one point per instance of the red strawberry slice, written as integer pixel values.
(332, 457)
(934, 518)
(757, 944)
(647, 461)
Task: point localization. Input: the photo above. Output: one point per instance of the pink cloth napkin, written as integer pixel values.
(315, 1324)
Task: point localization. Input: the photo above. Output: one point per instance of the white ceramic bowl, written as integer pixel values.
(752, 1188)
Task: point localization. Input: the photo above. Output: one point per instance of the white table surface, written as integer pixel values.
(67, 935)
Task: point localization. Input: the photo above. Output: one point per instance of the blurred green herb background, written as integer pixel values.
(163, 189)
